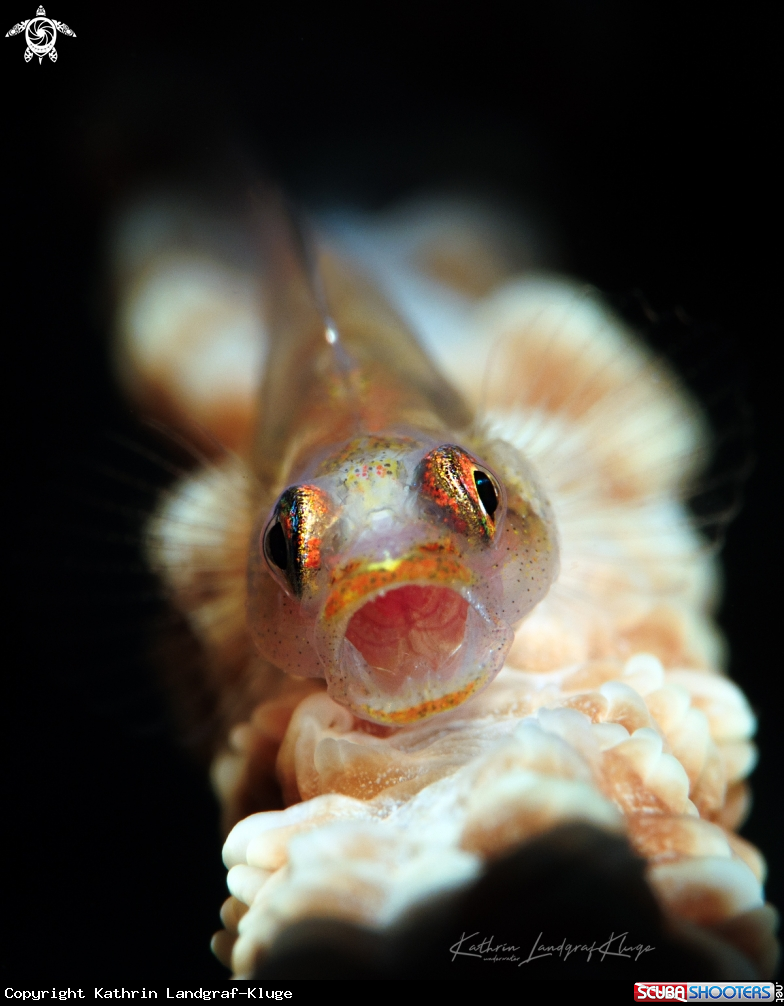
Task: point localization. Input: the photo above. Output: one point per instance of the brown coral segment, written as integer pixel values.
(472, 785)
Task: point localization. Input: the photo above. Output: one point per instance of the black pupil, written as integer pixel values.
(276, 546)
(487, 493)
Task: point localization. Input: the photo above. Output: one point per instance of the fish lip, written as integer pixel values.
(429, 706)
(357, 582)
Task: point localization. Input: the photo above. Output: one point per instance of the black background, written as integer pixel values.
(646, 138)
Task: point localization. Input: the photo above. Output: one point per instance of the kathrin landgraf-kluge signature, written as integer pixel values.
(485, 949)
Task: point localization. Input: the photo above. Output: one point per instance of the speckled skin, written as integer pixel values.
(362, 434)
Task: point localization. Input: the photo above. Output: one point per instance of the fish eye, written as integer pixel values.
(276, 547)
(486, 492)
(460, 492)
(293, 538)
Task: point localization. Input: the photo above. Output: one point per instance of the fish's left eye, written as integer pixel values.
(486, 492)
(460, 492)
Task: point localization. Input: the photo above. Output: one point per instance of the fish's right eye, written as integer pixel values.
(461, 492)
(276, 547)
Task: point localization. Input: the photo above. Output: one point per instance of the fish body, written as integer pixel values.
(401, 550)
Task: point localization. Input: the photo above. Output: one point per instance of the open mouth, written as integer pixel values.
(406, 638)
(413, 651)
(409, 634)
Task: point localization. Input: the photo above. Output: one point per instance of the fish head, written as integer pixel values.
(397, 568)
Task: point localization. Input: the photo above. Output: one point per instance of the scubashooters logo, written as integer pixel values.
(41, 34)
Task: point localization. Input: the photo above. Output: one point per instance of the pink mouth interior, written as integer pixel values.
(409, 632)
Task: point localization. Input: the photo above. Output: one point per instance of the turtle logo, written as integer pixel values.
(41, 34)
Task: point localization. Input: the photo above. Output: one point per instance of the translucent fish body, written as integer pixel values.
(400, 551)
